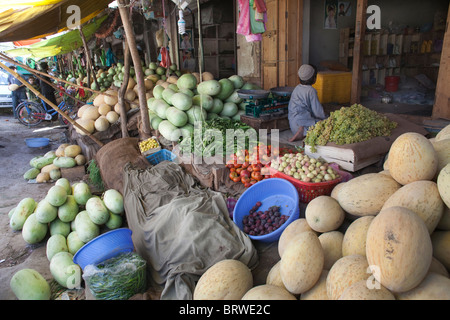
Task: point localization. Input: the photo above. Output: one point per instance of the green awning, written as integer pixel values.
(58, 45)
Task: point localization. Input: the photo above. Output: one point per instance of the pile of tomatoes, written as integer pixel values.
(250, 167)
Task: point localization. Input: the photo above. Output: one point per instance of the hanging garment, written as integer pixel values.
(256, 26)
(165, 58)
(243, 26)
(260, 6)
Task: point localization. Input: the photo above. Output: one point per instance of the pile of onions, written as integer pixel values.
(305, 168)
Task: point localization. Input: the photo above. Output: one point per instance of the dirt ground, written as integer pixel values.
(15, 253)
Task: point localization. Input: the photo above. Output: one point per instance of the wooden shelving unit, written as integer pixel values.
(219, 53)
(387, 54)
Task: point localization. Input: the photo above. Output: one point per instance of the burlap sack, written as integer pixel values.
(112, 158)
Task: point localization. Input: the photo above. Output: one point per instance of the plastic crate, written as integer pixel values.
(160, 156)
(307, 191)
(333, 86)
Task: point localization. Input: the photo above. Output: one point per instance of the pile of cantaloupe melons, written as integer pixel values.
(395, 245)
(105, 109)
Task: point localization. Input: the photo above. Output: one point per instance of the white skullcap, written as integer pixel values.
(305, 72)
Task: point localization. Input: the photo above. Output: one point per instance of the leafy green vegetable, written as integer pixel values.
(118, 278)
(206, 144)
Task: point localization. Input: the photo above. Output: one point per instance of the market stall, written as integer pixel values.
(185, 185)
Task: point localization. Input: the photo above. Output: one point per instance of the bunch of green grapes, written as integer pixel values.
(349, 125)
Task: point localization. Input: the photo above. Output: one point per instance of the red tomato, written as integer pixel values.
(245, 173)
(233, 175)
(256, 175)
(245, 179)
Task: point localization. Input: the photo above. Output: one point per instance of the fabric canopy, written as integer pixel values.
(62, 44)
(30, 19)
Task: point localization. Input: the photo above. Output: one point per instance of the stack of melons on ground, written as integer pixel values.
(47, 167)
(395, 244)
(69, 216)
(179, 102)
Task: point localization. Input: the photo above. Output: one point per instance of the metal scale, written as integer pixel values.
(266, 104)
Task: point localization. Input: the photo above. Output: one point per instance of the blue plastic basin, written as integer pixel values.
(270, 192)
(104, 247)
(37, 142)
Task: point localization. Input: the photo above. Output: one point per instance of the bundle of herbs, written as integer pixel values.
(118, 278)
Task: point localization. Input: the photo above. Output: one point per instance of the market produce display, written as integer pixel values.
(176, 105)
(258, 223)
(47, 167)
(393, 230)
(70, 216)
(349, 125)
(305, 168)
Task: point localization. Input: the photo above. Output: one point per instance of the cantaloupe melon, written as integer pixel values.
(101, 124)
(441, 247)
(433, 287)
(268, 292)
(346, 271)
(104, 108)
(354, 241)
(423, 198)
(87, 124)
(111, 97)
(302, 262)
(443, 134)
(225, 280)
(91, 113)
(319, 290)
(324, 214)
(411, 158)
(291, 231)
(361, 291)
(443, 183)
(366, 194)
(398, 244)
(332, 247)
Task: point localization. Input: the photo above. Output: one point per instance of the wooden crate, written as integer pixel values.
(347, 159)
(354, 157)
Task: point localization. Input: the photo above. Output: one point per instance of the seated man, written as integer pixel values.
(304, 109)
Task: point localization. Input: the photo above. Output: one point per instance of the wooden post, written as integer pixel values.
(360, 32)
(441, 108)
(131, 40)
(123, 89)
(40, 96)
(88, 57)
(200, 42)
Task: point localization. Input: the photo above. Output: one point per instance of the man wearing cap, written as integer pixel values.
(305, 109)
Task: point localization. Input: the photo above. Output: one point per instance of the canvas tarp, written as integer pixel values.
(180, 228)
(61, 44)
(22, 19)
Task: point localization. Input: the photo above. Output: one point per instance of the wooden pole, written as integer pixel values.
(123, 89)
(131, 40)
(360, 32)
(39, 95)
(8, 59)
(200, 41)
(88, 56)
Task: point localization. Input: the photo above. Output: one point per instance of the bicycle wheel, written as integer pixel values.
(30, 113)
(68, 110)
